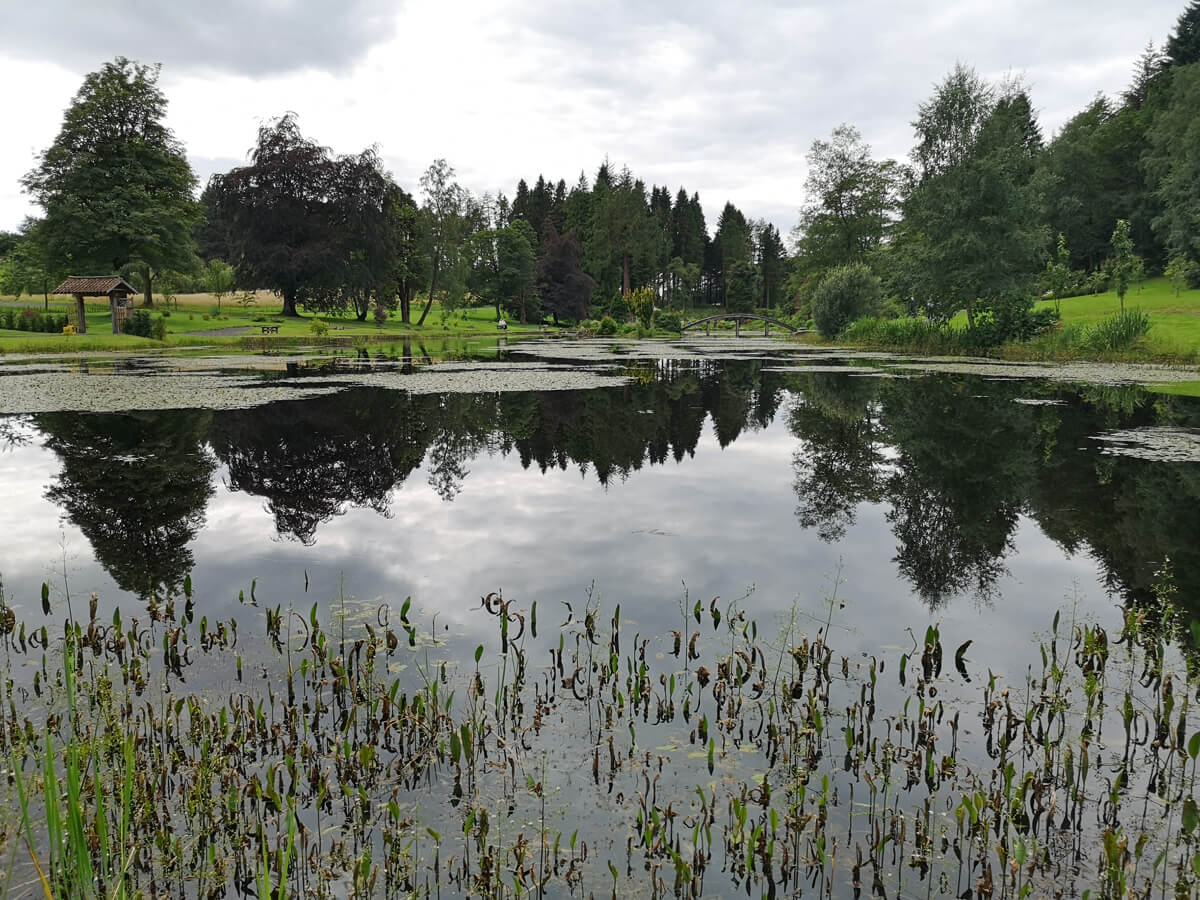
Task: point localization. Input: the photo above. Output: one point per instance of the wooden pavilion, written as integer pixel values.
(118, 291)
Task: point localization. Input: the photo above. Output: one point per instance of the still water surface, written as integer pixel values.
(751, 472)
(980, 501)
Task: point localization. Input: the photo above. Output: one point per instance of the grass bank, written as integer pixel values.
(195, 319)
(1089, 328)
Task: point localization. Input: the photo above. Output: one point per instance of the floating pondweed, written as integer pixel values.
(1158, 444)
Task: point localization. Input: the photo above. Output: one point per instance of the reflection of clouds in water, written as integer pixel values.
(546, 536)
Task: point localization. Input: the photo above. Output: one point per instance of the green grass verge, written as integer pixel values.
(189, 325)
(1174, 334)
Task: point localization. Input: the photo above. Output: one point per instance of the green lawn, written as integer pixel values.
(193, 320)
(1174, 320)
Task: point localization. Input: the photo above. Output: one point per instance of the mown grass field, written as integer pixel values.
(196, 318)
(1174, 320)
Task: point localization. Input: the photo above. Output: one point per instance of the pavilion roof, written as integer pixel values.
(94, 285)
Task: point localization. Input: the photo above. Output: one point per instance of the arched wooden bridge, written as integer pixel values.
(738, 318)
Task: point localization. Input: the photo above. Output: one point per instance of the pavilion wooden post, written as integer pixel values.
(112, 312)
(80, 315)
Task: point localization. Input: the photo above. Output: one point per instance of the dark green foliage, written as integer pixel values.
(115, 185)
(741, 286)
(732, 244)
(33, 320)
(972, 236)
(608, 327)
(139, 323)
(26, 269)
(1173, 162)
(1010, 322)
(852, 200)
(668, 320)
(277, 213)
(165, 463)
(772, 262)
(846, 293)
(564, 288)
(517, 269)
(1183, 46)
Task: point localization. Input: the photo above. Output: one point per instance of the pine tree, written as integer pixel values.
(1183, 46)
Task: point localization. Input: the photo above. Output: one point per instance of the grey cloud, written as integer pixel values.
(790, 72)
(256, 38)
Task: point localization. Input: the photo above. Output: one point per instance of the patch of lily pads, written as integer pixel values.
(1153, 443)
(23, 394)
(1072, 372)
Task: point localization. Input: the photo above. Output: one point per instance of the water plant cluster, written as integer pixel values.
(361, 751)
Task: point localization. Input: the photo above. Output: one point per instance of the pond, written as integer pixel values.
(574, 618)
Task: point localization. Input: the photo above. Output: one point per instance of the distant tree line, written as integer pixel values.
(985, 215)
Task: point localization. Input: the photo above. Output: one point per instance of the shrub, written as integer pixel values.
(618, 308)
(608, 326)
(668, 320)
(159, 330)
(139, 323)
(641, 302)
(381, 315)
(845, 293)
(319, 328)
(909, 333)
(1118, 332)
(1015, 321)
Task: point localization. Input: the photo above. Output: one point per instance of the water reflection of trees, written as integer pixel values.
(956, 463)
(312, 460)
(137, 486)
(965, 460)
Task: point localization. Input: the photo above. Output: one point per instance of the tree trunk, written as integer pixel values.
(405, 306)
(80, 315)
(429, 302)
(148, 296)
(971, 314)
(289, 304)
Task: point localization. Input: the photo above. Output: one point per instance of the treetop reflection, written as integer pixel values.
(955, 462)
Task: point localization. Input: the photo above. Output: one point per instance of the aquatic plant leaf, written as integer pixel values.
(1191, 816)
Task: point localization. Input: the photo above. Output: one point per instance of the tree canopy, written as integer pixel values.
(115, 185)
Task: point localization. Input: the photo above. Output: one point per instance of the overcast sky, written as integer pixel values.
(723, 98)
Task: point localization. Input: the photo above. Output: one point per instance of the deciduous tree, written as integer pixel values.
(850, 201)
(277, 212)
(444, 228)
(115, 184)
